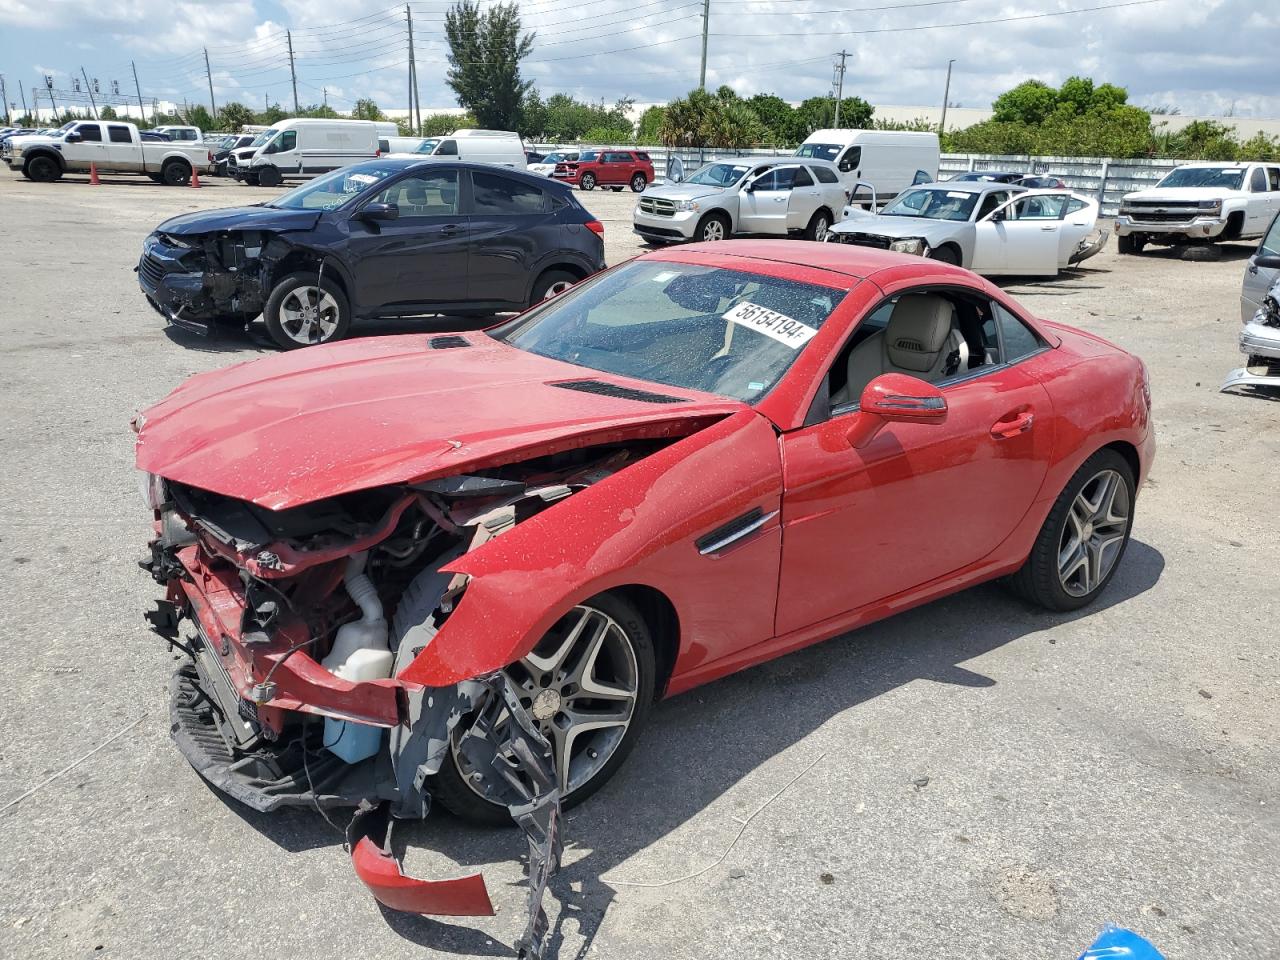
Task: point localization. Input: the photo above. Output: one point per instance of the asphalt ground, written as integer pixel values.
(970, 779)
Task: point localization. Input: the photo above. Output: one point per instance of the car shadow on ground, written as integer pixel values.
(702, 744)
(232, 339)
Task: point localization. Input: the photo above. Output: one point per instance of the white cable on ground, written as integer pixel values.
(728, 850)
(73, 764)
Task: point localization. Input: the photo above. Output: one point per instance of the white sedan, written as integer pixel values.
(994, 229)
(547, 165)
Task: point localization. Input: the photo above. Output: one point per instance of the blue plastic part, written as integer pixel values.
(1116, 943)
(352, 742)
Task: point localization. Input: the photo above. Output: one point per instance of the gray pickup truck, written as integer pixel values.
(110, 146)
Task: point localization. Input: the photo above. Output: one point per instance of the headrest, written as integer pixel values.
(917, 331)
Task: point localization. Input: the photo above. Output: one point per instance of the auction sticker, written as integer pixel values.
(772, 324)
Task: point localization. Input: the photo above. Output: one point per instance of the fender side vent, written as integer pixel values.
(604, 389)
(448, 342)
(730, 533)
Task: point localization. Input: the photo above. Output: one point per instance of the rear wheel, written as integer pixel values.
(300, 313)
(588, 685)
(818, 226)
(1084, 537)
(551, 284)
(175, 173)
(638, 183)
(42, 169)
(588, 181)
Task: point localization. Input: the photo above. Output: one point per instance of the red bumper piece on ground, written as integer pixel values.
(463, 897)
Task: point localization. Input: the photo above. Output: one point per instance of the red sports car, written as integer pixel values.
(465, 566)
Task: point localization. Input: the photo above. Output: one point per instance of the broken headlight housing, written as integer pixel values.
(152, 488)
(912, 245)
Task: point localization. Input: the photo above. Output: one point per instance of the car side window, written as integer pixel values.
(1273, 174)
(802, 178)
(433, 194)
(288, 140)
(990, 202)
(1074, 206)
(119, 134)
(447, 148)
(784, 179)
(492, 194)
(1258, 181)
(1017, 339)
(384, 146)
(89, 133)
(825, 176)
(1039, 208)
(766, 181)
(851, 160)
(1270, 245)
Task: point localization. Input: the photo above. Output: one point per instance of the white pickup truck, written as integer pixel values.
(1201, 203)
(110, 145)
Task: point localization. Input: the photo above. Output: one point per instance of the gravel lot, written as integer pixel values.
(970, 779)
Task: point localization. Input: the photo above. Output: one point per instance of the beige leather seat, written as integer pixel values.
(920, 340)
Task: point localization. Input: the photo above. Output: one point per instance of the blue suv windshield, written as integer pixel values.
(334, 189)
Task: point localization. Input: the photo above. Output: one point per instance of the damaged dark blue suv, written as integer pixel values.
(385, 238)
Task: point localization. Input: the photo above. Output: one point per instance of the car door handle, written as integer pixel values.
(451, 228)
(1049, 229)
(1253, 268)
(779, 199)
(1011, 426)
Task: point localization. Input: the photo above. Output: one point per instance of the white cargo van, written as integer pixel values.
(481, 146)
(302, 147)
(889, 160)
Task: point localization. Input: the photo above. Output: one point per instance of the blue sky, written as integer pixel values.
(1190, 54)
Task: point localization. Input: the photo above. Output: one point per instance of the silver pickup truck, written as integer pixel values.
(781, 196)
(110, 146)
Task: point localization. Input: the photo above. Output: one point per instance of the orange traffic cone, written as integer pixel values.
(93, 174)
(195, 177)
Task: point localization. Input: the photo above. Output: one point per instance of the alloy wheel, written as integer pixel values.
(557, 288)
(1094, 534)
(309, 315)
(713, 230)
(580, 686)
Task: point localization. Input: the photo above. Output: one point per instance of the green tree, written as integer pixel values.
(717, 120)
(273, 114)
(200, 117)
(233, 116)
(783, 123)
(443, 124)
(1260, 147)
(485, 50)
(650, 127)
(320, 110)
(366, 109)
(819, 113)
(108, 113)
(1029, 102)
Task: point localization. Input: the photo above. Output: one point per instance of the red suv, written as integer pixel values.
(613, 169)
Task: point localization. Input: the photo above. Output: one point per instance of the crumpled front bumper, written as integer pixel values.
(1260, 340)
(1089, 246)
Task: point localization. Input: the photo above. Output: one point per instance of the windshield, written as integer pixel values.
(720, 174)
(333, 189)
(559, 157)
(427, 146)
(1228, 177)
(933, 204)
(263, 138)
(729, 332)
(588, 156)
(821, 151)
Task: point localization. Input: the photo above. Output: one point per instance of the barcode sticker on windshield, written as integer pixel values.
(958, 195)
(776, 325)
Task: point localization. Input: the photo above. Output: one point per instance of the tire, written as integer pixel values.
(269, 177)
(289, 321)
(587, 182)
(1041, 579)
(1129, 245)
(712, 227)
(175, 173)
(638, 183)
(155, 178)
(42, 169)
(818, 225)
(625, 629)
(552, 283)
(945, 255)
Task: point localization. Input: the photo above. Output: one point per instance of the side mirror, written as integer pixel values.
(74, 137)
(996, 216)
(895, 398)
(1269, 262)
(380, 211)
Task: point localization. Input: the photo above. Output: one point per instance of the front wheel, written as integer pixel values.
(588, 181)
(42, 169)
(269, 177)
(714, 226)
(1129, 245)
(588, 686)
(945, 255)
(1080, 545)
(300, 313)
(638, 183)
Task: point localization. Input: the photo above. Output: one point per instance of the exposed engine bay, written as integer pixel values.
(295, 625)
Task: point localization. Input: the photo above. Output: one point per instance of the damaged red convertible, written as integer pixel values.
(463, 567)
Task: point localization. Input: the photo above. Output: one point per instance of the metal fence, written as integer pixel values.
(1101, 177)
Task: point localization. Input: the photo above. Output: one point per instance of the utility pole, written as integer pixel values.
(415, 105)
(706, 19)
(324, 95)
(288, 35)
(89, 87)
(213, 109)
(840, 84)
(48, 82)
(23, 94)
(141, 108)
(4, 99)
(946, 95)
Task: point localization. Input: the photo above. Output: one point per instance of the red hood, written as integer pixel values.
(302, 426)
